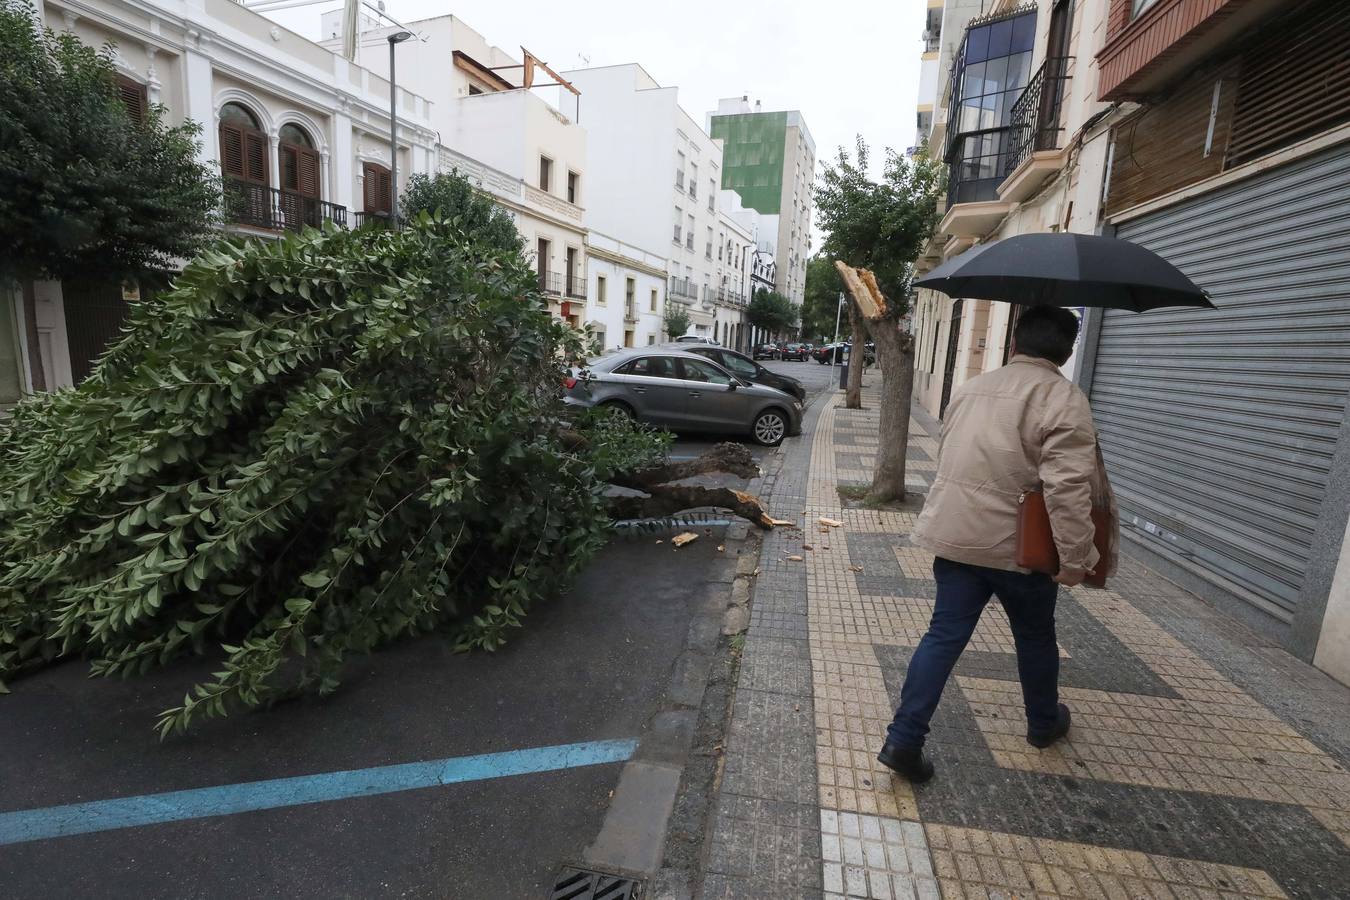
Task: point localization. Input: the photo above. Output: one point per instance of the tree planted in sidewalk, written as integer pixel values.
(304, 450)
(88, 190)
(820, 305)
(880, 226)
(772, 312)
(676, 319)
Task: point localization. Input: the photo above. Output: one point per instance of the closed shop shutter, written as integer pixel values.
(1219, 426)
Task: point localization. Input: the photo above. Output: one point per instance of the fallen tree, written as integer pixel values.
(304, 450)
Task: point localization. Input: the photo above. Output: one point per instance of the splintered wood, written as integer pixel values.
(862, 285)
(683, 538)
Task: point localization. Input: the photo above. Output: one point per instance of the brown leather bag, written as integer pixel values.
(1036, 542)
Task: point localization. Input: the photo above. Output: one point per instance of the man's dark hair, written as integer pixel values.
(1047, 332)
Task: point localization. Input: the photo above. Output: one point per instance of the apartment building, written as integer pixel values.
(530, 154)
(653, 179)
(1217, 133)
(737, 233)
(770, 161)
(299, 135)
(626, 290)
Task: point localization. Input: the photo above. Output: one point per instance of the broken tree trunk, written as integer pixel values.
(857, 358)
(895, 352)
(666, 499)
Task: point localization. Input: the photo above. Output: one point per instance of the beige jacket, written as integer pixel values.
(1022, 427)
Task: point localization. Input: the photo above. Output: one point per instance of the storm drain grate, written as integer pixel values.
(585, 884)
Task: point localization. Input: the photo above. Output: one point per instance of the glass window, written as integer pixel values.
(1023, 34)
(235, 114)
(1140, 6)
(739, 365)
(977, 44)
(651, 367)
(294, 134)
(698, 370)
(1000, 39)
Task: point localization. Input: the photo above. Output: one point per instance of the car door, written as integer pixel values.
(712, 401)
(653, 387)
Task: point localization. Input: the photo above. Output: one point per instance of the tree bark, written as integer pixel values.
(668, 499)
(856, 358)
(895, 353)
(35, 374)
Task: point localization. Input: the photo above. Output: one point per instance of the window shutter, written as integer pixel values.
(255, 157)
(232, 151)
(384, 196)
(369, 188)
(133, 96)
(308, 167)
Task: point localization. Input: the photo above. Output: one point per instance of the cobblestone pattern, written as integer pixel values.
(1202, 763)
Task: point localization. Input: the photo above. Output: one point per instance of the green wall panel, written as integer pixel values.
(752, 157)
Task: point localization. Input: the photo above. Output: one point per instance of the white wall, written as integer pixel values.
(1333, 645)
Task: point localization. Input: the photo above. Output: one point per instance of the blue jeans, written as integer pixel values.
(962, 592)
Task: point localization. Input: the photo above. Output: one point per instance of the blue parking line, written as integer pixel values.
(228, 799)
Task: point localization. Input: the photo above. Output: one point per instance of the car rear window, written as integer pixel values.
(698, 370)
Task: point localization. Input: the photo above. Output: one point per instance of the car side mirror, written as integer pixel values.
(733, 384)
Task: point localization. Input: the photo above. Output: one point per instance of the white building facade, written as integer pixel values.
(529, 154)
(627, 293)
(653, 179)
(299, 134)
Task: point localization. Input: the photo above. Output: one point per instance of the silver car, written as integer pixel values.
(681, 390)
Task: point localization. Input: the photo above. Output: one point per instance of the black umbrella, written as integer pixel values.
(1066, 270)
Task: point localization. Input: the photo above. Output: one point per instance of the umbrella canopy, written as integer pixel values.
(1066, 270)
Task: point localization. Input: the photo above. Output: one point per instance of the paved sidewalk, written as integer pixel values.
(1203, 762)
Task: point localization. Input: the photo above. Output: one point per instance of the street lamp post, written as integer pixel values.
(397, 37)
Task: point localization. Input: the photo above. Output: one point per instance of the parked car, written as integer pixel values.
(747, 369)
(823, 354)
(794, 352)
(674, 389)
(765, 351)
(696, 339)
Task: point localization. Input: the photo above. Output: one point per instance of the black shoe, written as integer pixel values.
(1046, 738)
(911, 764)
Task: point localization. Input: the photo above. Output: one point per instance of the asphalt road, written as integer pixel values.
(592, 666)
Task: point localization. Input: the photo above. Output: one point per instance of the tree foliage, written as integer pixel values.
(304, 450)
(472, 211)
(772, 312)
(821, 304)
(676, 320)
(86, 191)
(879, 225)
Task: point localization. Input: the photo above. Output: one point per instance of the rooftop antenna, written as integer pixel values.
(584, 60)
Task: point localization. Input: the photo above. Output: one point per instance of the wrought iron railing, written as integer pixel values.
(1034, 123)
(260, 206)
(683, 287)
(630, 313)
(576, 286)
(374, 219)
(551, 283)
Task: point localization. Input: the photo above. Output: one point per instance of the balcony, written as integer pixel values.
(683, 288)
(729, 297)
(259, 206)
(932, 41)
(576, 286)
(1144, 52)
(374, 219)
(630, 315)
(551, 283)
(1034, 132)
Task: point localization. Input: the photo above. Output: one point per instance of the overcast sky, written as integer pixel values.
(850, 66)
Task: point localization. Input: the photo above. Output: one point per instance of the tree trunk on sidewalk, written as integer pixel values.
(856, 357)
(36, 376)
(895, 353)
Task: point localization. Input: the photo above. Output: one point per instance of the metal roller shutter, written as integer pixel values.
(1219, 426)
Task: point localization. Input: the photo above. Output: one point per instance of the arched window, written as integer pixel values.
(243, 145)
(299, 162)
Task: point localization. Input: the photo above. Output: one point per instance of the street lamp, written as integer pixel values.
(397, 37)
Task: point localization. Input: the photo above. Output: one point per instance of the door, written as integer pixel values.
(1219, 426)
(652, 386)
(95, 314)
(713, 404)
(543, 264)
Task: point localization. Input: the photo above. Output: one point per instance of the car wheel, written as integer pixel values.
(617, 409)
(770, 428)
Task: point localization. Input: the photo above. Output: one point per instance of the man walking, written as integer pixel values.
(1022, 427)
